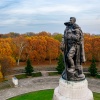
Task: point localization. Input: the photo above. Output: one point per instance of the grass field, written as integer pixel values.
(43, 95)
(22, 76)
(96, 96)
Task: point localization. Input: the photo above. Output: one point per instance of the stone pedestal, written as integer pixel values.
(72, 90)
(15, 81)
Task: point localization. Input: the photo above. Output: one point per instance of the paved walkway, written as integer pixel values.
(41, 83)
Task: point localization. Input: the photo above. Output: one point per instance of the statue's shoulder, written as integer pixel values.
(76, 26)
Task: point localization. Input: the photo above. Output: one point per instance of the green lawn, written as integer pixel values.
(96, 96)
(22, 76)
(53, 73)
(43, 95)
(38, 95)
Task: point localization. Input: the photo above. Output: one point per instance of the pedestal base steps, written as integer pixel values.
(72, 90)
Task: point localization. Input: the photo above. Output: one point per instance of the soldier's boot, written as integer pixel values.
(72, 69)
(80, 72)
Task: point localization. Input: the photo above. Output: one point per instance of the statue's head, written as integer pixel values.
(72, 20)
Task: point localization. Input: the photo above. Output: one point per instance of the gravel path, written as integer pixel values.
(41, 83)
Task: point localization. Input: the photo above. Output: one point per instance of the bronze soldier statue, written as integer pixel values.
(73, 48)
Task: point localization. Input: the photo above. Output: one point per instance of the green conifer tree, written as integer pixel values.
(29, 68)
(92, 68)
(60, 66)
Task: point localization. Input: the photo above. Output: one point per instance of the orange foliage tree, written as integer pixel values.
(19, 44)
(92, 46)
(6, 59)
(36, 48)
(52, 48)
(43, 33)
(42, 47)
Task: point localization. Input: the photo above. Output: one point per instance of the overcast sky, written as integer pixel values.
(48, 15)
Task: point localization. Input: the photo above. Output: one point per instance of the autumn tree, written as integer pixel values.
(13, 34)
(96, 49)
(57, 36)
(40, 48)
(30, 33)
(88, 46)
(5, 49)
(20, 43)
(53, 47)
(92, 47)
(10, 35)
(7, 63)
(36, 48)
(6, 59)
(43, 33)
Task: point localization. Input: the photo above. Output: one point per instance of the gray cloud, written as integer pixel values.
(38, 15)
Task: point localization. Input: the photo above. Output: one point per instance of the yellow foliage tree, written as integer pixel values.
(20, 43)
(6, 59)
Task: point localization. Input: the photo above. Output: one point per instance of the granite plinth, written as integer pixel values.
(72, 90)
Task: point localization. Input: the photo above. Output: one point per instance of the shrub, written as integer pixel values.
(29, 68)
(92, 68)
(98, 76)
(21, 76)
(36, 74)
(60, 66)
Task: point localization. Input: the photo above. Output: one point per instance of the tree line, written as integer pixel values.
(39, 47)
